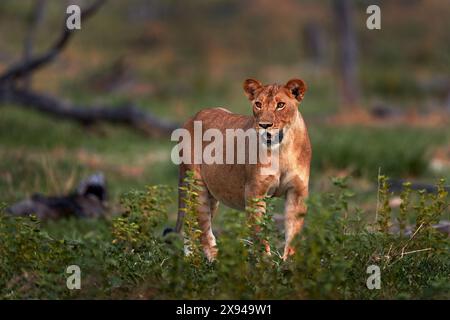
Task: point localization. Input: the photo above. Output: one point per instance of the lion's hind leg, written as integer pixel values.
(206, 207)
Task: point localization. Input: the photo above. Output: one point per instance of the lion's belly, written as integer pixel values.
(226, 183)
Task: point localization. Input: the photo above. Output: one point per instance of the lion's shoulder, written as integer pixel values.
(221, 118)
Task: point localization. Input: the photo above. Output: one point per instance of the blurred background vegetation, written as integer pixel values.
(378, 101)
(174, 58)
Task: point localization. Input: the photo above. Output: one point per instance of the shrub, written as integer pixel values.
(133, 260)
(32, 264)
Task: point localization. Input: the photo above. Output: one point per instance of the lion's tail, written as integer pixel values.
(181, 207)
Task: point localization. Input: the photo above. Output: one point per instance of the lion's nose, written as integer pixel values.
(265, 125)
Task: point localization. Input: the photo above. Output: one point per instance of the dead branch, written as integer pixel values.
(348, 71)
(128, 115)
(37, 16)
(25, 67)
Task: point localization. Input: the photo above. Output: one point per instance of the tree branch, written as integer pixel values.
(127, 114)
(25, 67)
(36, 18)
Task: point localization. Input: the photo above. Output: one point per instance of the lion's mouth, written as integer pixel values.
(271, 139)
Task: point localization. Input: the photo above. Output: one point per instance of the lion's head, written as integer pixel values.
(275, 107)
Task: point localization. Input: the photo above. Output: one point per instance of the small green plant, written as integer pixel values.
(192, 232)
(384, 209)
(31, 261)
(143, 212)
(129, 258)
(136, 246)
(405, 196)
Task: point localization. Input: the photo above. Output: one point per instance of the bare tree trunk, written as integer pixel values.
(348, 67)
(315, 43)
(37, 17)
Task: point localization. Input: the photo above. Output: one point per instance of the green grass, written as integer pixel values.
(188, 71)
(40, 154)
(128, 258)
(398, 151)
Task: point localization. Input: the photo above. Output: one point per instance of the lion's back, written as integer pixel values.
(219, 118)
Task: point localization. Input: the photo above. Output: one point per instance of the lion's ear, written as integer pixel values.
(297, 87)
(250, 87)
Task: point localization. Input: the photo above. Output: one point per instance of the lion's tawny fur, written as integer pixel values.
(236, 184)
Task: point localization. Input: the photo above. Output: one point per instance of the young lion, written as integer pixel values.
(277, 119)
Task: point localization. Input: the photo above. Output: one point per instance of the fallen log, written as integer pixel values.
(127, 115)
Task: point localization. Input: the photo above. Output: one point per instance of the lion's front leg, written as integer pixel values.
(255, 206)
(295, 211)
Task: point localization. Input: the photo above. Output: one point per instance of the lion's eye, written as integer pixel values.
(280, 105)
(258, 105)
